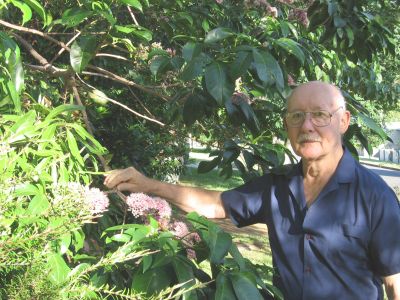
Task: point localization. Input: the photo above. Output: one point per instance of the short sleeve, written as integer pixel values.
(385, 238)
(246, 205)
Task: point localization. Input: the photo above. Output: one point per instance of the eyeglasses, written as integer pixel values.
(319, 118)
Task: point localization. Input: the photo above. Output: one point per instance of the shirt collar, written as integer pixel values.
(345, 171)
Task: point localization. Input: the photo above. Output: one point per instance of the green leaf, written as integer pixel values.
(217, 35)
(291, 47)
(10, 53)
(78, 270)
(38, 205)
(59, 270)
(268, 69)
(98, 97)
(219, 243)
(217, 82)
(73, 147)
(136, 30)
(184, 273)
(159, 64)
(191, 50)
(207, 166)
(26, 190)
(25, 9)
(193, 109)
(120, 237)
(62, 109)
(224, 289)
(193, 69)
(134, 3)
(24, 123)
(370, 123)
(152, 281)
(13, 94)
(82, 51)
(39, 9)
(244, 284)
(241, 64)
(339, 22)
(74, 16)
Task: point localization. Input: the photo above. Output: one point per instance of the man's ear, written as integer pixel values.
(344, 121)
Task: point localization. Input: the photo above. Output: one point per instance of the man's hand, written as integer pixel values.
(392, 286)
(128, 179)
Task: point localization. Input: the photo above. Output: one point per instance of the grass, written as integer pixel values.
(379, 163)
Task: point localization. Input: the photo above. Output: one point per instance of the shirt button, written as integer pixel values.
(307, 270)
(309, 237)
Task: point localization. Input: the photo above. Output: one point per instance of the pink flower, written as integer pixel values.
(290, 80)
(180, 229)
(272, 11)
(142, 205)
(219, 1)
(191, 254)
(96, 200)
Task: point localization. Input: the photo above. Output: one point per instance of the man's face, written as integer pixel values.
(309, 141)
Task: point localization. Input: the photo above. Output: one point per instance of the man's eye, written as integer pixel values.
(320, 114)
(297, 115)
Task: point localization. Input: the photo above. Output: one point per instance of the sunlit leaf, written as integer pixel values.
(218, 34)
(82, 51)
(217, 82)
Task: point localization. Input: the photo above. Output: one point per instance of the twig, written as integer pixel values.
(89, 127)
(132, 15)
(123, 105)
(63, 49)
(47, 67)
(33, 31)
(113, 56)
(141, 103)
(107, 74)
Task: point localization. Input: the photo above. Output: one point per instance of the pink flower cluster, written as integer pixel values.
(299, 15)
(142, 205)
(180, 230)
(263, 5)
(96, 200)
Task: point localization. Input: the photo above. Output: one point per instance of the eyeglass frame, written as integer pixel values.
(304, 113)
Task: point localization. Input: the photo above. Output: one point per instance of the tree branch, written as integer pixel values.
(33, 31)
(117, 78)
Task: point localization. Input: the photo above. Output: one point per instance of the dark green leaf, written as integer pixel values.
(219, 243)
(61, 109)
(217, 82)
(193, 69)
(291, 47)
(268, 69)
(370, 123)
(224, 289)
(207, 166)
(193, 109)
(241, 64)
(134, 3)
(159, 64)
(74, 16)
(245, 286)
(217, 35)
(152, 281)
(191, 50)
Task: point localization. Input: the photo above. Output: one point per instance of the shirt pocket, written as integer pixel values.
(351, 247)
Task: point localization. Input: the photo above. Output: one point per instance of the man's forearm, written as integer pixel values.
(205, 202)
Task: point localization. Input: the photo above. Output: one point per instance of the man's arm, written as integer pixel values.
(205, 202)
(392, 286)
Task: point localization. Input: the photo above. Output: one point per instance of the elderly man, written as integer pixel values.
(334, 226)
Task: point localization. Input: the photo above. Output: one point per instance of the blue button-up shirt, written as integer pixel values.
(340, 246)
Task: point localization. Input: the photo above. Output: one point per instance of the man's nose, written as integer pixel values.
(307, 123)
